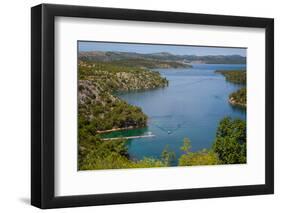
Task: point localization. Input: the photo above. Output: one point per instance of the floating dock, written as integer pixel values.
(129, 137)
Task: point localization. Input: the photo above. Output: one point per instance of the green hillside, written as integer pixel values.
(239, 97)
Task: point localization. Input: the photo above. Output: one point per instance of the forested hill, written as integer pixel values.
(97, 84)
(234, 76)
(239, 97)
(156, 60)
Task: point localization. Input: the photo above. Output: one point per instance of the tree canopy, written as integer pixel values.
(230, 142)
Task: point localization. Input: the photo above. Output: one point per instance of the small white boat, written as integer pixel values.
(169, 132)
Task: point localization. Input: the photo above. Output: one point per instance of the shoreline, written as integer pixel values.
(234, 103)
(129, 137)
(117, 129)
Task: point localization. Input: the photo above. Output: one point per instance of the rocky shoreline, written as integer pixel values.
(98, 104)
(233, 102)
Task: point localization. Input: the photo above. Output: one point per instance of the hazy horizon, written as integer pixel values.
(87, 46)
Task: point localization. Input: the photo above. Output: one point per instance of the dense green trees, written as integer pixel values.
(230, 142)
(229, 148)
(119, 115)
(97, 85)
(95, 153)
(234, 76)
(150, 64)
(239, 98)
(99, 109)
(112, 76)
(168, 156)
(203, 157)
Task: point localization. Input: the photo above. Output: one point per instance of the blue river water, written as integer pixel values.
(191, 107)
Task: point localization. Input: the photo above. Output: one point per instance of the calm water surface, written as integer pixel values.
(191, 106)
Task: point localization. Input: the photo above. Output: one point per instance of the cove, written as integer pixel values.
(192, 105)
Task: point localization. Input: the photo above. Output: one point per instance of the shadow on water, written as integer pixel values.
(125, 133)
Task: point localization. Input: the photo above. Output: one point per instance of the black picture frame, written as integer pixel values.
(43, 102)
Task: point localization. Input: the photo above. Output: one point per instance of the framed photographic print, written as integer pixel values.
(139, 106)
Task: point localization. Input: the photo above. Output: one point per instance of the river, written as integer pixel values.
(191, 106)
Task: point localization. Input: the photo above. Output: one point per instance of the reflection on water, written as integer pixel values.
(191, 106)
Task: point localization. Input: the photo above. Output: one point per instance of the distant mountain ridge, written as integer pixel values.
(107, 56)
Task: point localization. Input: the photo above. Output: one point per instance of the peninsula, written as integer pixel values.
(239, 97)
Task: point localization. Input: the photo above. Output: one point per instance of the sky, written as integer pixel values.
(153, 48)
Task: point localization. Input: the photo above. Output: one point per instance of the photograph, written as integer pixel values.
(160, 105)
(134, 105)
